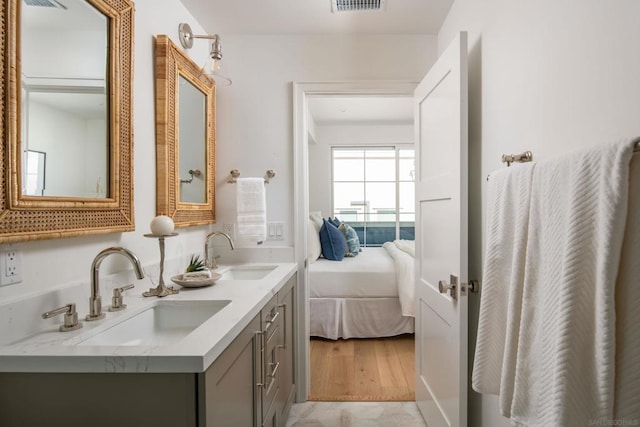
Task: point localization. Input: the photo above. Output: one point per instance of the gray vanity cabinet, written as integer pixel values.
(97, 399)
(286, 393)
(272, 340)
(252, 382)
(227, 391)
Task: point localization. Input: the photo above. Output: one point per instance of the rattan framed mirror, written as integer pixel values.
(185, 137)
(25, 216)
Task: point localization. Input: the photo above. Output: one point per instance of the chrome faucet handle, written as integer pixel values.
(70, 317)
(116, 300)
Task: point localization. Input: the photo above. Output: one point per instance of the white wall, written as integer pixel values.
(94, 159)
(546, 76)
(255, 129)
(56, 53)
(360, 134)
(61, 135)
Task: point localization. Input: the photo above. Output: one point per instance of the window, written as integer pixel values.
(373, 191)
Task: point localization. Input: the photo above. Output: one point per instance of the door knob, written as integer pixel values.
(451, 286)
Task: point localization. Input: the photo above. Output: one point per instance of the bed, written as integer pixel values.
(367, 296)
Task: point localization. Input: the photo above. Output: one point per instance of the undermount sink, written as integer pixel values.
(164, 323)
(248, 272)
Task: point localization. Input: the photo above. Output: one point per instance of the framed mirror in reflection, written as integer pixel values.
(67, 149)
(185, 137)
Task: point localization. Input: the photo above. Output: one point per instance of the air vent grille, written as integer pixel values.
(356, 5)
(45, 3)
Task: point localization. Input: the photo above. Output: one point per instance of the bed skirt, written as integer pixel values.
(335, 318)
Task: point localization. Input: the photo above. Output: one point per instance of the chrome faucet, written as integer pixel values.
(211, 263)
(95, 302)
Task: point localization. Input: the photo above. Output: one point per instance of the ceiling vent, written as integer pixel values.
(45, 3)
(356, 5)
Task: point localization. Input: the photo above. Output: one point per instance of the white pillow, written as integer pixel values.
(316, 217)
(313, 242)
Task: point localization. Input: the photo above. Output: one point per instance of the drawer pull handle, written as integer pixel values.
(274, 371)
(284, 308)
(271, 321)
(260, 336)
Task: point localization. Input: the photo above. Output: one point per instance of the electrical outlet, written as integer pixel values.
(10, 266)
(228, 228)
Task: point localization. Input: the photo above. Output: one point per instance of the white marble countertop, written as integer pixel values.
(54, 351)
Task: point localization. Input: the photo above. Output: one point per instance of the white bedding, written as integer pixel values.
(370, 274)
(335, 318)
(358, 297)
(403, 253)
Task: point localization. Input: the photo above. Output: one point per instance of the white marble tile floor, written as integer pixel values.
(355, 414)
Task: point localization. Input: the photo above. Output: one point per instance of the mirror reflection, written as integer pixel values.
(65, 107)
(192, 139)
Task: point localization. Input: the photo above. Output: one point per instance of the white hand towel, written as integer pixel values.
(503, 277)
(252, 209)
(565, 368)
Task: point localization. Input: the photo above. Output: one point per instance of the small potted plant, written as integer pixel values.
(196, 269)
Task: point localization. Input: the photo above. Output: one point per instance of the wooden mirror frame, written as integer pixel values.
(25, 218)
(171, 63)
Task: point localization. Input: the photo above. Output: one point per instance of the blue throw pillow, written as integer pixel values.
(335, 221)
(353, 243)
(332, 241)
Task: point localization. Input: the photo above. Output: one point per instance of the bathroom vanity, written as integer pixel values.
(234, 367)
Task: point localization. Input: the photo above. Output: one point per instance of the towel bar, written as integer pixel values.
(235, 173)
(527, 156)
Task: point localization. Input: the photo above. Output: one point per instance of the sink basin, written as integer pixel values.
(248, 272)
(164, 323)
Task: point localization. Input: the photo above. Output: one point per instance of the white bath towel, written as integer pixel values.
(627, 391)
(252, 209)
(566, 344)
(405, 277)
(503, 278)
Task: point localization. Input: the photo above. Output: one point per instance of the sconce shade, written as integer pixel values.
(211, 67)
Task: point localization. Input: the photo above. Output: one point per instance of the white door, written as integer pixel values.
(441, 239)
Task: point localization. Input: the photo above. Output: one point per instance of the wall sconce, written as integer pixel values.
(212, 66)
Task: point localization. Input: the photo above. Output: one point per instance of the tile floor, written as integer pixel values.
(355, 414)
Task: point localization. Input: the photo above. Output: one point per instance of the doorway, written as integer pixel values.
(304, 93)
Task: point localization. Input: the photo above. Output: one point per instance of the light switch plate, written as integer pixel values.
(275, 231)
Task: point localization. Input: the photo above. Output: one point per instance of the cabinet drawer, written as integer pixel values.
(269, 316)
(271, 367)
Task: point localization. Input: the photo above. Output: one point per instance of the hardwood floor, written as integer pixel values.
(378, 369)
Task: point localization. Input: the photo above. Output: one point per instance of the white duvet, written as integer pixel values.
(403, 252)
